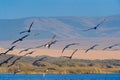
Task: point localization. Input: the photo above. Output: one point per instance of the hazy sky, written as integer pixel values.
(10, 9)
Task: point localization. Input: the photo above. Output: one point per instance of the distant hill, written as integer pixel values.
(63, 27)
(68, 29)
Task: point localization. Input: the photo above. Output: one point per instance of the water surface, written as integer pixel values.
(60, 77)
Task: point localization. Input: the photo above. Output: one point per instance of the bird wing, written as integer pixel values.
(91, 48)
(64, 49)
(73, 53)
(6, 61)
(24, 50)
(69, 46)
(53, 42)
(100, 23)
(20, 39)
(15, 41)
(12, 48)
(15, 61)
(95, 26)
(30, 26)
(87, 50)
(88, 29)
(23, 32)
(39, 60)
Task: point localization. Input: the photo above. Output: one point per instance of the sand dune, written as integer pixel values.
(92, 55)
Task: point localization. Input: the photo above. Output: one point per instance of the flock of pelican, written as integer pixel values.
(48, 45)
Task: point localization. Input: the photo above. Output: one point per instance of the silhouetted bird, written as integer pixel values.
(29, 53)
(8, 50)
(19, 58)
(73, 53)
(91, 48)
(110, 47)
(20, 39)
(95, 26)
(24, 50)
(38, 60)
(15, 61)
(68, 46)
(49, 43)
(29, 30)
(6, 61)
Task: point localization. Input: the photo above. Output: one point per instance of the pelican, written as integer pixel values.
(29, 30)
(91, 48)
(6, 61)
(95, 26)
(24, 50)
(49, 43)
(39, 60)
(8, 50)
(70, 57)
(20, 58)
(110, 47)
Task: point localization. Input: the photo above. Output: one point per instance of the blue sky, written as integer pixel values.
(11, 9)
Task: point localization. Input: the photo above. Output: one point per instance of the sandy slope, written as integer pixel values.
(93, 54)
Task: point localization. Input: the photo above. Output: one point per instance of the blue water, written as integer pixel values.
(60, 77)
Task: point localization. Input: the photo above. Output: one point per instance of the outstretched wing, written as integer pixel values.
(95, 26)
(87, 50)
(73, 53)
(23, 31)
(38, 60)
(88, 29)
(53, 42)
(15, 61)
(91, 48)
(64, 49)
(30, 27)
(68, 46)
(15, 41)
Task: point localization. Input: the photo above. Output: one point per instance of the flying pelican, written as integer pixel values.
(20, 39)
(95, 26)
(70, 57)
(110, 47)
(8, 50)
(6, 61)
(24, 50)
(49, 43)
(19, 58)
(91, 48)
(29, 30)
(68, 46)
(39, 60)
